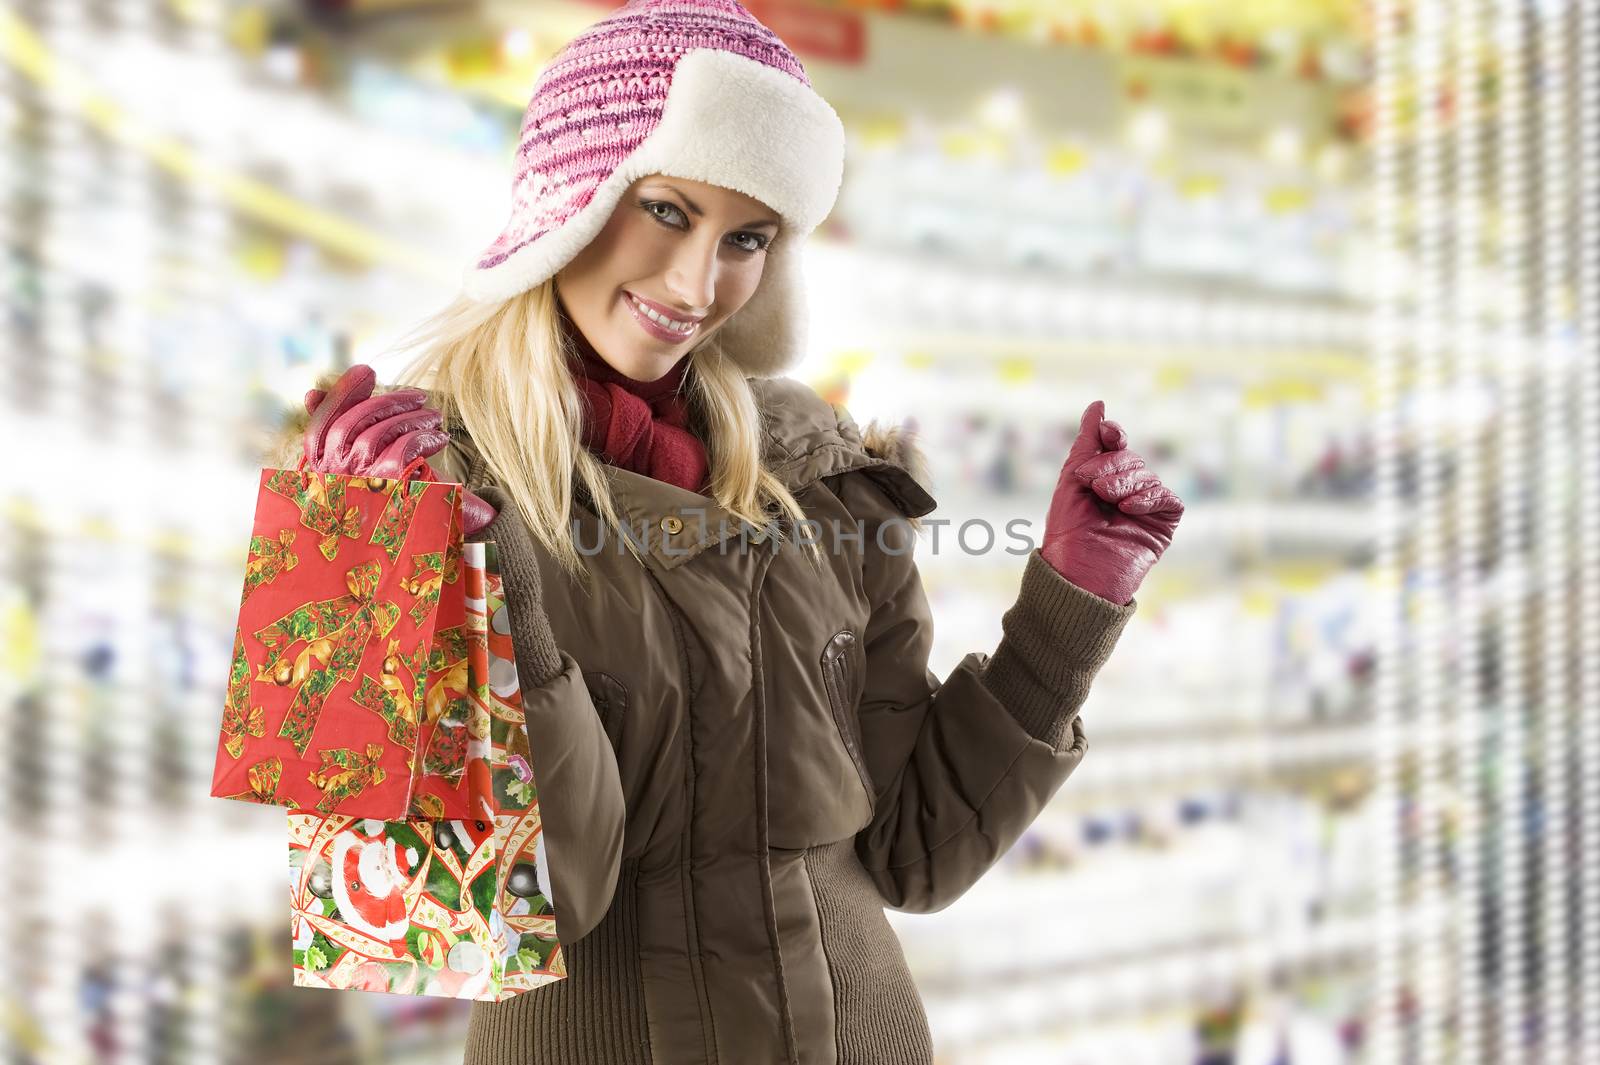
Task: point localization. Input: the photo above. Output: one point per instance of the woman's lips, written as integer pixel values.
(649, 325)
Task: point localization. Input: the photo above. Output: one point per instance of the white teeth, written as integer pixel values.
(675, 326)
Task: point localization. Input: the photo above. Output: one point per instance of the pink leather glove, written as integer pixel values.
(1110, 518)
(352, 431)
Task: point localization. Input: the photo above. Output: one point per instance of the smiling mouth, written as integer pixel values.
(657, 325)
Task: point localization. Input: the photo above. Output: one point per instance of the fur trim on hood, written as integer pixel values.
(899, 444)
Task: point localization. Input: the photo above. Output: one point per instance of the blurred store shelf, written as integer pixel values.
(208, 204)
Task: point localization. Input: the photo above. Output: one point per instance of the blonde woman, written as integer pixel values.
(720, 632)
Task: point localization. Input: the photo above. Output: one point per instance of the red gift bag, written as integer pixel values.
(349, 651)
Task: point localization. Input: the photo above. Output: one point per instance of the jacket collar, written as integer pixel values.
(806, 439)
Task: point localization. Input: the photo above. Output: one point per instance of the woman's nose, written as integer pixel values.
(693, 279)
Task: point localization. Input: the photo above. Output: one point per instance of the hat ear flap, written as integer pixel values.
(767, 336)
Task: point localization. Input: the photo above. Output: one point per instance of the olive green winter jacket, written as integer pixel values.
(740, 764)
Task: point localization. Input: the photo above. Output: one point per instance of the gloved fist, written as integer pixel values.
(352, 431)
(1111, 517)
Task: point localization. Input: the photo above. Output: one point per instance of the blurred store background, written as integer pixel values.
(1331, 263)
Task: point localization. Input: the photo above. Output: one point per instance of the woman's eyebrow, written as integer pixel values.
(694, 207)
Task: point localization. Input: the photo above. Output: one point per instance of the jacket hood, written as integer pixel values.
(807, 438)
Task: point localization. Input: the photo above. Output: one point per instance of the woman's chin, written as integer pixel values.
(647, 362)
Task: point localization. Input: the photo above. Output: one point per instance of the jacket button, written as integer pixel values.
(672, 524)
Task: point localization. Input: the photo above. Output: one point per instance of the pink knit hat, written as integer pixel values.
(694, 89)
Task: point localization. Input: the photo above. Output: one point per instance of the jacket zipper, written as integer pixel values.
(838, 670)
(758, 689)
(708, 1025)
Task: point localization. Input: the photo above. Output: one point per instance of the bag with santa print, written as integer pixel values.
(436, 904)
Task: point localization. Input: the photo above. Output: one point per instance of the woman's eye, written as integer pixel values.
(652, 206)
(759, 240)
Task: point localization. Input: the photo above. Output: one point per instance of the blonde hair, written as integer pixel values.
(501, 369)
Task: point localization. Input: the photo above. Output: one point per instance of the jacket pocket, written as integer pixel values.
(610, 698)
(839, 675)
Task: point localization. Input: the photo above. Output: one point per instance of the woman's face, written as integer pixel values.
(692, 252)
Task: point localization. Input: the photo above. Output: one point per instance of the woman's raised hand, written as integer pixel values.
(1111, 518)
(351, 431)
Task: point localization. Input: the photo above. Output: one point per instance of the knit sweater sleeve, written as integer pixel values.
(961, 766)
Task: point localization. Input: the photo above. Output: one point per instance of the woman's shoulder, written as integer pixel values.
(810, 437)
(794, 415)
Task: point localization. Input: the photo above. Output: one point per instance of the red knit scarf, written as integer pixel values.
(641, 425)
